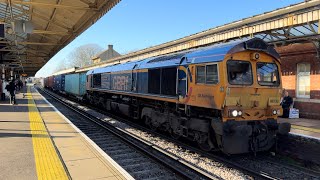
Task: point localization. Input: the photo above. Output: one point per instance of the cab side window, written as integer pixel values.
(212, 74)
(201, 74)
(207, 74)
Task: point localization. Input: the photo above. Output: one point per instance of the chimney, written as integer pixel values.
(110, 47)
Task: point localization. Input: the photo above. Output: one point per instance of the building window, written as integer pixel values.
(303, 80)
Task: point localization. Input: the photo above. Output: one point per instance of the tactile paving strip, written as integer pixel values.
(48, 163)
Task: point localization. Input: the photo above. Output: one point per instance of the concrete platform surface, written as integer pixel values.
(16, 150)
(38, 142)
(305, 127)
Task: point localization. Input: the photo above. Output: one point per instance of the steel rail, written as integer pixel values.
(218, 157)
(123, 135)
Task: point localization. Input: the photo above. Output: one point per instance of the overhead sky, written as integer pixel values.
(133, 25)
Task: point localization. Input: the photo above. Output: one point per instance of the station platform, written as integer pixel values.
(38, 142)
(309, 128)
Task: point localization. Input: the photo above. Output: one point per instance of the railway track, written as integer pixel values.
(139, 158)
(244, 164)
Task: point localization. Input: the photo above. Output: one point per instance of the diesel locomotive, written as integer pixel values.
(224, 97)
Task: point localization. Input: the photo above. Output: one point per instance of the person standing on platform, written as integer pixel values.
(286, 103)
(11, 88)
(20, 84)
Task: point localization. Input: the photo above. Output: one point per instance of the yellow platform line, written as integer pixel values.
(48, 163)
(306, 128)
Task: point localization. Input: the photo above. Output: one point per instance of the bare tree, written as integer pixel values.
(60, 65)
(82, 55)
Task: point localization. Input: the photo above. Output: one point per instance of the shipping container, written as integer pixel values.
(59, 82)
(45, 81)
(50, 82)
(75, 84)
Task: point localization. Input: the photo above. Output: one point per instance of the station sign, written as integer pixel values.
(24, 75)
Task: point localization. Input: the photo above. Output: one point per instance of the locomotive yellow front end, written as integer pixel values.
(252, 102)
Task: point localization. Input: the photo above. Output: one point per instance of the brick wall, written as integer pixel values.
(291, 55)
(308, 109)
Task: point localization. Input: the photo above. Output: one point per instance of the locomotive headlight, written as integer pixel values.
(278, 111)
(255, 56)
(274, 112)
(239, 113)
(234, 113)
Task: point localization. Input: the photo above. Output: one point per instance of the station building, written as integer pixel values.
(106, 55)
(301, 77)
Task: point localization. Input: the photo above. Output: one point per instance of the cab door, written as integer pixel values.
(182, 80)
(134, 78)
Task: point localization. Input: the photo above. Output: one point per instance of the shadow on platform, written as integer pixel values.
(29, 122)
(5, 135)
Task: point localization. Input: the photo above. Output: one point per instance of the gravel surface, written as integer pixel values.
(302, 149)
(213, 167)
(269, 168)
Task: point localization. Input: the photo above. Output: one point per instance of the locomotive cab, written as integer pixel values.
(252, 102)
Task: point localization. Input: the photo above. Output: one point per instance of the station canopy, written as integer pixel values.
(297, 23)
(33, 31)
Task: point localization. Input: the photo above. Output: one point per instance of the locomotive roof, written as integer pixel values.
(214, 53)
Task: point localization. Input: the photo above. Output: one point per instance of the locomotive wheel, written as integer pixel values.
(208, 144)
(204, 146)
(148, 122)
(174, 135)
(153, 128)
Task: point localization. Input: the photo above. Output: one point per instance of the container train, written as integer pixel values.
(224, 97)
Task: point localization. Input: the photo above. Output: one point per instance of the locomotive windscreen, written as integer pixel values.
(268, 74)
(239, 72)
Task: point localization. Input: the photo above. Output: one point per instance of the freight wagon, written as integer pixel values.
(50, 81)
(45, 82)
(59, 83)
(75, 85)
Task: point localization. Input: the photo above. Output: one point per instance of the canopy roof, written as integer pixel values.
(54, 24)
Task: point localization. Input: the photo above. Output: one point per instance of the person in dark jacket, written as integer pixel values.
(20, 84)
(11, 88)
(286, 103)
